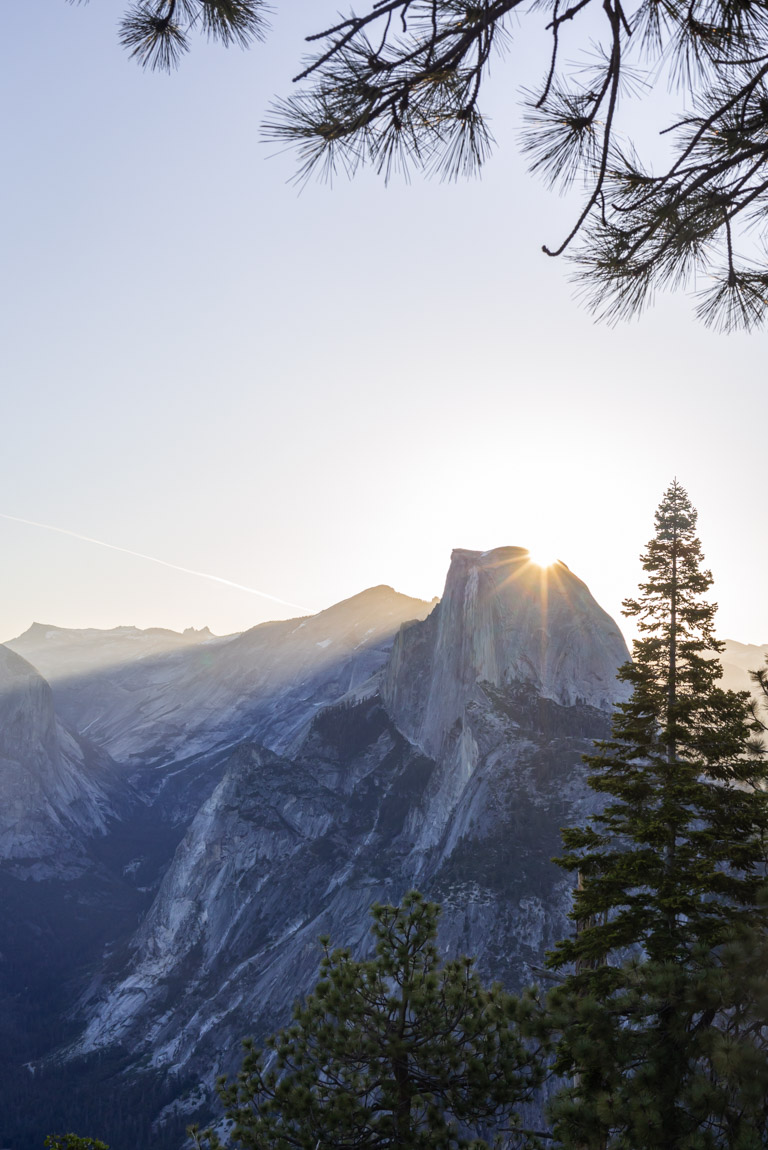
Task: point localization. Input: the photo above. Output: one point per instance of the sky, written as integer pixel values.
(309, 394)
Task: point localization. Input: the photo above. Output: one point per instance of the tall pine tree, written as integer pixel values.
(662, 1007)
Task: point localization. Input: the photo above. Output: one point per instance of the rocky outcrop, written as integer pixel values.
(54, 791)
(503, 624)
(502, 620)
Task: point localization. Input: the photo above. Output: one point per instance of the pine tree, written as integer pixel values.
(662, 1012)
(401, 1050)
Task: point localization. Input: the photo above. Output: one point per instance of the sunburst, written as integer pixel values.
(542, 557)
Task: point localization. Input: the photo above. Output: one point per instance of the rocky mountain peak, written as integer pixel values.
(502, 619)
(379, 603)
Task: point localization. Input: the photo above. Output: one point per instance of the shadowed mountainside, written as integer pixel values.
(452, 768)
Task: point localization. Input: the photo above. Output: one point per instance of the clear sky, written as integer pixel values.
(311, 394)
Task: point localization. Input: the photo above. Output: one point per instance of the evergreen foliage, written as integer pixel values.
(401, 1050)
(662, 1014)
(398, 86)
(73, 1142)
(157, 32)
(760, 679)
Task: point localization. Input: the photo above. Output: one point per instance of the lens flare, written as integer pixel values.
(542, 557)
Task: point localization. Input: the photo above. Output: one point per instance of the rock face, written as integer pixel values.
(286, 850)
(54, 790)
(502, 620)
(452, 767)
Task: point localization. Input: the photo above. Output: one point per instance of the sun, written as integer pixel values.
(542, 556)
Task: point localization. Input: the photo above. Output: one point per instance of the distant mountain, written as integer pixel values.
(738, 659)
(62, 653)
(62, 802)
(151, 698)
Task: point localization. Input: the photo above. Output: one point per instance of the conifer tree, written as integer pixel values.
(662, 1011)
(401, 1050)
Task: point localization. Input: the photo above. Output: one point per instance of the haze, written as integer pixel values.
(309, 395)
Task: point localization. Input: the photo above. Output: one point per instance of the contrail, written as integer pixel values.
(153, 559)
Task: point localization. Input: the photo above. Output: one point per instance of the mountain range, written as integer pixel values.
(184, 815)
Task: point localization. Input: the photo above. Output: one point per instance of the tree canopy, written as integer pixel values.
(399, 86)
